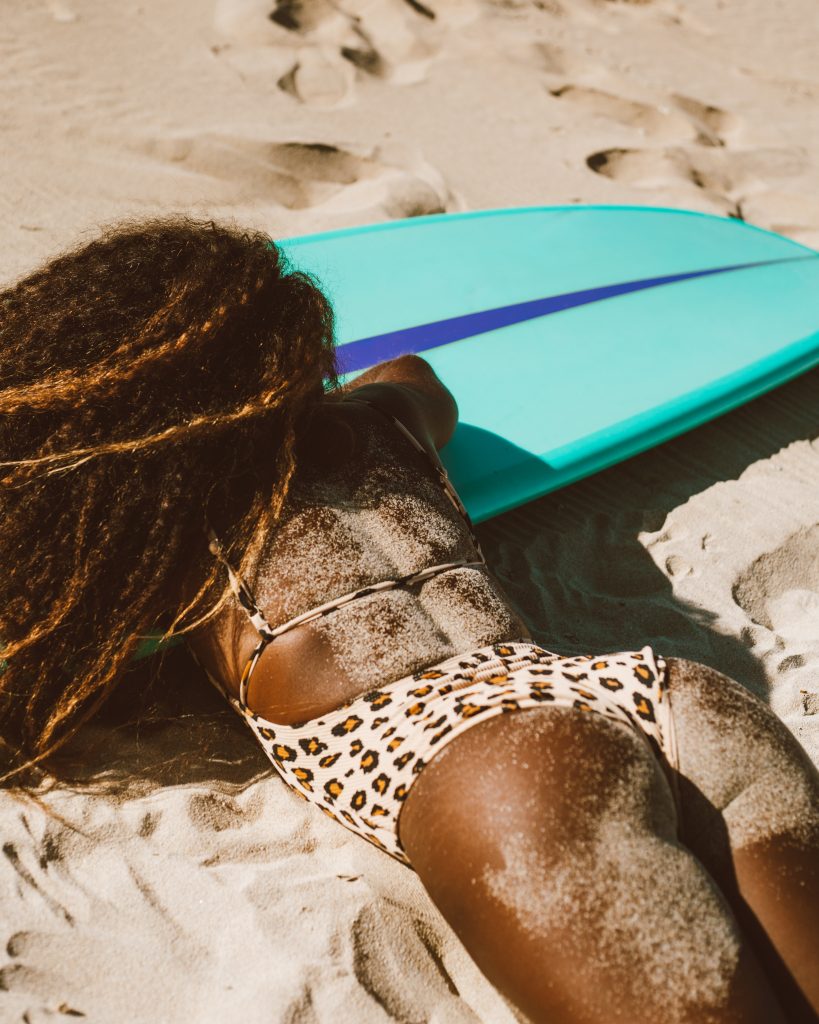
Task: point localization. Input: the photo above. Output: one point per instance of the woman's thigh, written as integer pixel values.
(547, 838)
(750, 812)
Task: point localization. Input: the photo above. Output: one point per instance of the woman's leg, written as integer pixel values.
(750, 807)
(547, 838)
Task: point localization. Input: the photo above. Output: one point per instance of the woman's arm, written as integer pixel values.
(408, 387)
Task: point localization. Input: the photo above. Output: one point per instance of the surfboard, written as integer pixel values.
(572, 337)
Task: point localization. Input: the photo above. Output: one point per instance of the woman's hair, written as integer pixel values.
(150, 382)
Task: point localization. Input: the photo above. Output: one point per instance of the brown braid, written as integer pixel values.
(146, 380)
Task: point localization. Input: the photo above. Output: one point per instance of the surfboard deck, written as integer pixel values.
(572, 337)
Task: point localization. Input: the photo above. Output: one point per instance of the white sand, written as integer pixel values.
(176, 894)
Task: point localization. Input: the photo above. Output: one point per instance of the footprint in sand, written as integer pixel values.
(725, 178)
(295, 175)
(319, 78)
(713, 124)
(384, 935)
(664, 125)
(387, 39)
(751, 184)
(794, 566)
(231, 170)
(780, 591)
(328, 49)
(682, 120)
(780, 594)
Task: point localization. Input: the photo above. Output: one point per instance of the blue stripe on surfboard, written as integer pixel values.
(358, 355)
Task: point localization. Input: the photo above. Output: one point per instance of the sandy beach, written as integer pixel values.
(179, 880)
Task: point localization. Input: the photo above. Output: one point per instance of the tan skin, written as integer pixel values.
(547, 780)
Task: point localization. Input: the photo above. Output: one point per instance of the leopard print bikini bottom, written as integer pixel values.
(359, 762)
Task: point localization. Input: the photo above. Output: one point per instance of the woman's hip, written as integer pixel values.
(359, 763)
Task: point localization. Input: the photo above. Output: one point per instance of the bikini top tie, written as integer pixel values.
(268, 633)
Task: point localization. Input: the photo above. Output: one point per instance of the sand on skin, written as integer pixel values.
(181, 881)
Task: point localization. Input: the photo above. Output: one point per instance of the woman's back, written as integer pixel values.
(364, 506)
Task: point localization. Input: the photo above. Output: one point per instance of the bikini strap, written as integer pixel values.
(242, 591)
(339, 602)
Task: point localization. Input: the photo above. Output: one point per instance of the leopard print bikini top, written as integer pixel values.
(268, 633)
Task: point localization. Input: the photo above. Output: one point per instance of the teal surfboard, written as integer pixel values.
(572, 337)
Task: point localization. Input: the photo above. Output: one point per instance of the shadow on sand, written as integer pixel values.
(572, 563)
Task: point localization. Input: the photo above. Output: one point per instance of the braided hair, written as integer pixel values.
(146, 380)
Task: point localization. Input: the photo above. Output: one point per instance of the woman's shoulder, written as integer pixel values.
(416, 397)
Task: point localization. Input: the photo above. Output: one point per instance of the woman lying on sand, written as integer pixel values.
(642, 844)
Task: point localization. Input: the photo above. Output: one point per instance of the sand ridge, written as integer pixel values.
(178, 879)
